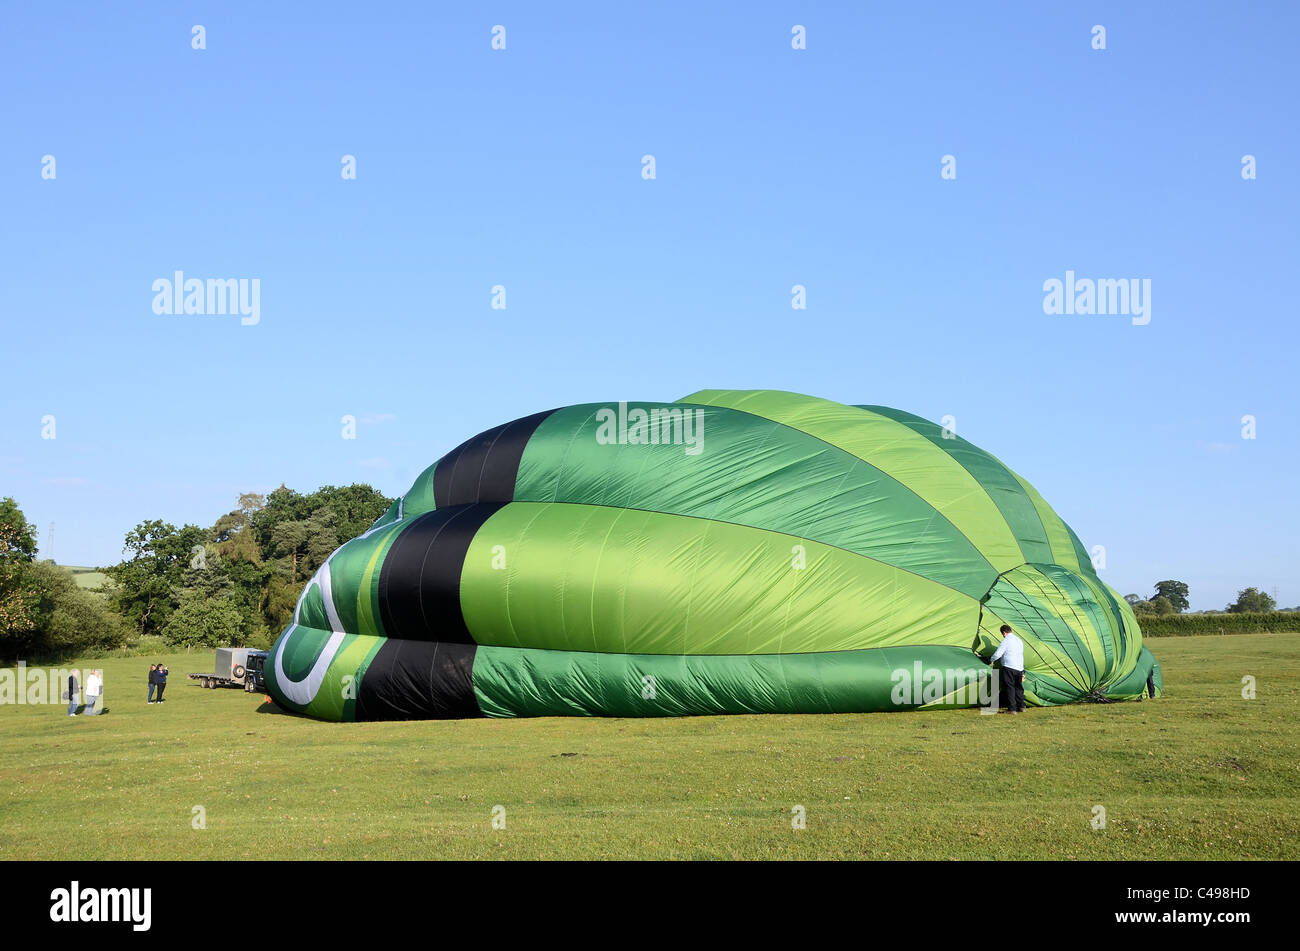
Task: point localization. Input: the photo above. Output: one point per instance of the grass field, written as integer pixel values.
(86, 577)
(1200, 774)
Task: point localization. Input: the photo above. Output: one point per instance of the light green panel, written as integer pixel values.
(896, 450)
(590, 578)
(1006, 491)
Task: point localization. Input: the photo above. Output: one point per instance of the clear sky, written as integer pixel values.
(774, 167)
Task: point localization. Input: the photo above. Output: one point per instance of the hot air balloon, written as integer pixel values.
(732, 552)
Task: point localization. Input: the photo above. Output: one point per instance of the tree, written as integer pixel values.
(304, 529)
(71, 619)
(282, 505)
(1252, 600)
(255, 560)
(1157, 605)
(232, 535)
(1132, 599)
(17, 535)
(355, 507)
(148, 582)
(234, 581)
(279, 603)
(201, 621)
(1175, 591)
(18, 596)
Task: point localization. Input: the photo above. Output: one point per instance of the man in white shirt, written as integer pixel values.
(94, 688)
(1012, 654)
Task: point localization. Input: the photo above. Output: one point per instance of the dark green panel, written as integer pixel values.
(516, 682)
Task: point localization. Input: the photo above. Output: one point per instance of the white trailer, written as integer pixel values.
(236, 667)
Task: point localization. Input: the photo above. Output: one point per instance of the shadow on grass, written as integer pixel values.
(267, 707)
(83, 712)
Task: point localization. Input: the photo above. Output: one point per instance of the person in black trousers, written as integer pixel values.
(1012, 654)
(153, 680)
(162, 681)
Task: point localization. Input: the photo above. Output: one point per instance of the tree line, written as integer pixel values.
(1170, 597)
(235, 582)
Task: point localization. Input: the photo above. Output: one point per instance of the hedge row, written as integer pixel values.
(1185, 625)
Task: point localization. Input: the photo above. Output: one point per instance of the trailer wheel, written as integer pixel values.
(238, 671)
(207, 683)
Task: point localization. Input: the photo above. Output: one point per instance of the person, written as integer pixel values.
(73, 689)
(162, 682)
(1151, 684)
(153, 680)
(94, 688)
(1012, 678)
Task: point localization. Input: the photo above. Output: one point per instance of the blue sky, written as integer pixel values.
(774, 167)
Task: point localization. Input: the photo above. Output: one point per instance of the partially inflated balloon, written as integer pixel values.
(734, 552)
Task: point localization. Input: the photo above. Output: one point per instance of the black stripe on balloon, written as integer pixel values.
(419, 680)
(484, 469)
(419, 583)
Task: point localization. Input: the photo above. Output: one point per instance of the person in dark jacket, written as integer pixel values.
(73, 691)
(153, 680)
(162, 681)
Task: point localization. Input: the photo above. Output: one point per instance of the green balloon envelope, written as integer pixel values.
(733, 552)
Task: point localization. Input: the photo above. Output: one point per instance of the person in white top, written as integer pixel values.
(94, 689)
(1012, 654)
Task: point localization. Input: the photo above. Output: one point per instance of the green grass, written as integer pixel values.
(89, 578)
(1199, 774)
